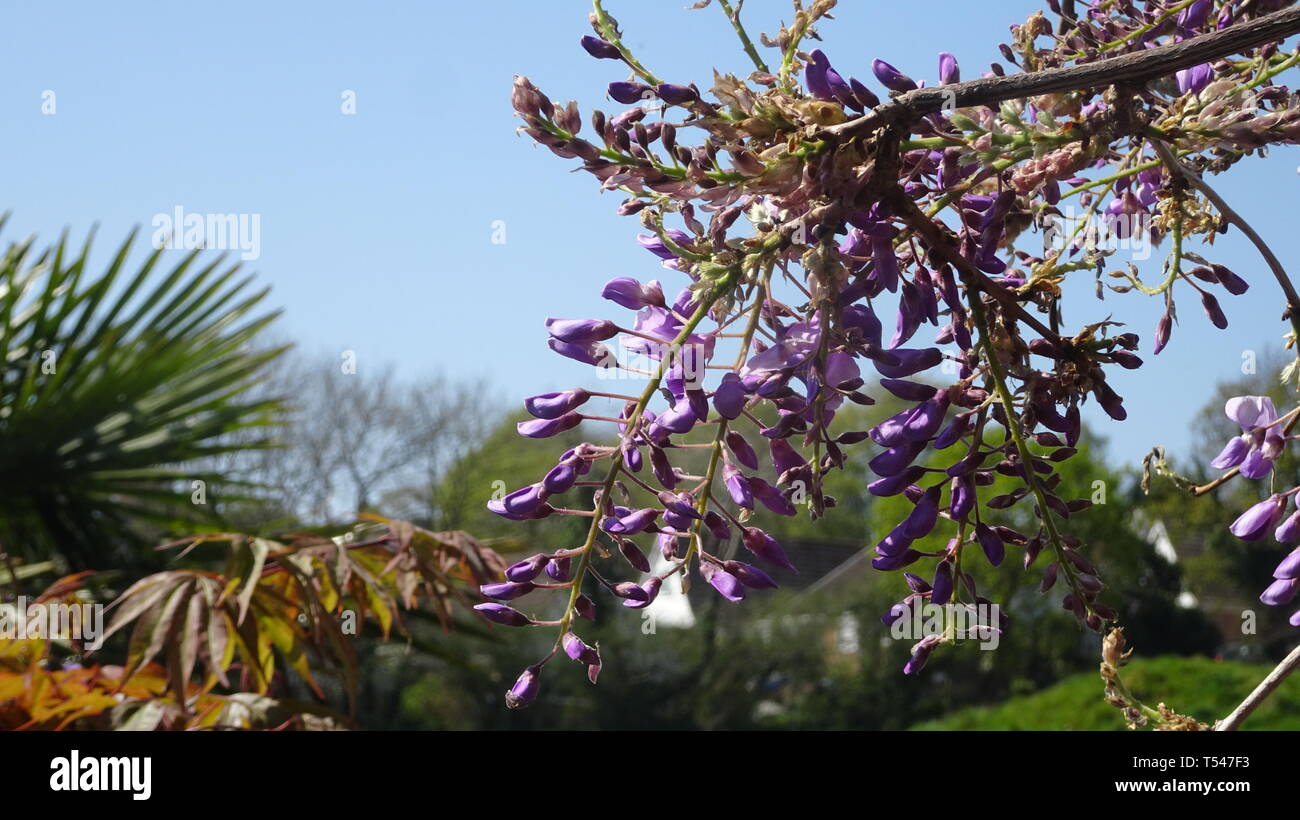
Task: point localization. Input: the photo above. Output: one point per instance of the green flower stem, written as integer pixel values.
(734, 17)
(608, 31)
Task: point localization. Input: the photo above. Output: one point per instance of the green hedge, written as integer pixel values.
(1201, 687)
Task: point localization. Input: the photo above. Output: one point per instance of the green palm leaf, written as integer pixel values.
(117, 391)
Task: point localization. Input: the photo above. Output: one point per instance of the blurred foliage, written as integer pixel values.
(213, 648)
(1202, 687)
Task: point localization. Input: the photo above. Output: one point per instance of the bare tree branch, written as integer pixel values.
(1266, 687)
(1134, 68)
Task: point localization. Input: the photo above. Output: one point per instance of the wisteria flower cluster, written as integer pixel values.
(811, 209)
(1263, 439)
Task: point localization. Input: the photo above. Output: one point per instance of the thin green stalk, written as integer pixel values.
(610, 33)
(734, 17)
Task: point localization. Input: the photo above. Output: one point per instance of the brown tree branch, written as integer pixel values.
(1134, 68)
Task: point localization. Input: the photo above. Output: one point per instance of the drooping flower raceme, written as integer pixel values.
(1252, 454)
(821, 241)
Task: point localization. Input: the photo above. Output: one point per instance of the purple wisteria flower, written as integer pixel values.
(802, 219)
(1261, 440)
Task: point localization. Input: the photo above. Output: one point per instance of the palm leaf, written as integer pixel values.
(117, 390)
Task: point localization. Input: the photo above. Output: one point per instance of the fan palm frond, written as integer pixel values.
(116, 388)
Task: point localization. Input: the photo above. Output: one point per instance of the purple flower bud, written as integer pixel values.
(579, 651)
(676, 94)
(634, 555)
(737, 486)
(631, 294)
(585, 608)
(1288, 532)
(662, 468)
(1290, 566)
(1255, 522)
(630, 93)
(953, 432)
(895, 543)
(895, 484)
(865, 96)
(559, 569)
(894, 460)
(920, 654)
(892, 78)
(948, 71)
(1231, 282)
(560, 478)
(814, 76)
(600, 49)
(942, 588)
(651, 590)
(922, 424)
(784, 457)
(554, 405)
(749, 575)
(507, 591)
(992, 545)
(681, 503)
(634, 522)
(717, 525)
(911, 362)
(1196, 15)
(962, 497)
(581, 331)
(770, 497)
(497, 506)
(892, 431)
(1194, 80)
(1212, 310)
(888, 563)
(525, 689)
(1164, 327)
(1280, 592)
(594, 353)
(908, 391)
(545, 428)
(727, 585)
(502, 614)
(729, 399)
(766, 547)
(679, 418)
(741, 450)
(527, 569)
(525, 500)
(1234, 452)
(630, 591)
(922, 519)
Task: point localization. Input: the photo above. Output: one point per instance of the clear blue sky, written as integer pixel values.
(376, 228)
